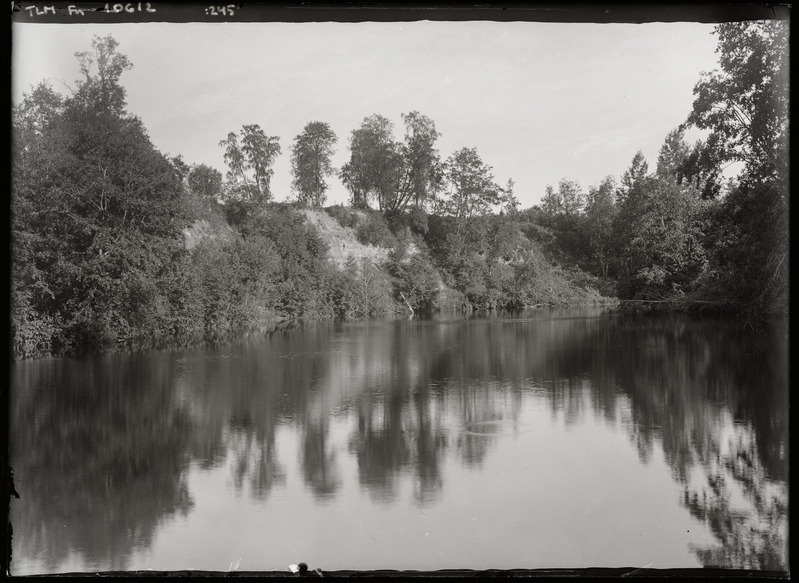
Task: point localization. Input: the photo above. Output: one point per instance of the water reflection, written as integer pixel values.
(101, 447)
(319, 462)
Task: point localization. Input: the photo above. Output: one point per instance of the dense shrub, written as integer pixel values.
(417, 283)
(345, 217)
(32, 333)
(374, 231)
(414, 218)
(362, 289)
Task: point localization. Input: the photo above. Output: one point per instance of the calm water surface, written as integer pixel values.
(549, 439)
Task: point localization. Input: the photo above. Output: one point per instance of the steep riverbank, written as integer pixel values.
(238, 269)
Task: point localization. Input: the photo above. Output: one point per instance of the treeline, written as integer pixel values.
(679, 236)
(683, 236)
(99, 257)
(100, 261)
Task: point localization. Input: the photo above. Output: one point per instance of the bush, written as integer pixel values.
(32, 333)
(417, 221)
(417, 283)
(345, 217)
(451, 300)
(414, 219)
(238, 212)
(362, 289)
(375, 231)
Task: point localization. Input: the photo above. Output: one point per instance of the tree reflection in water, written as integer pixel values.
(714, 398)
(99, 450)
(118, 433)
(318, 461)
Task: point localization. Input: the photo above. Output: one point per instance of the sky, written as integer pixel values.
(540, 101)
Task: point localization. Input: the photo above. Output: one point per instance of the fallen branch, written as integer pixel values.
(404, 299)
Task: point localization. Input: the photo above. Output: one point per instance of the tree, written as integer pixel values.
(702, 167)
(205, 183)
(672, 156)
(657, 231)
(35, 114)
(422, 170)
(562, 209)
(632, 177)
(470, 187)
(96, 216)
(180, 167)
(394, 174)
(568, 199)
(417, 282)
(510, 204)
(249, 157)
(469, 195)
(102, 89)
(571, 196)
(744, 104)
(310, 162)
(552, 203)
(663, 254)
(600, 212)
(374, 167)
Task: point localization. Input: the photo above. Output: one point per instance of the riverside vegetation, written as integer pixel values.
(116, 245)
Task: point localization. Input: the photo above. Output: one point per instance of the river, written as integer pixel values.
(553, 438)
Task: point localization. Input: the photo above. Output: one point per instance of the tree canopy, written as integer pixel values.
(249, 157)
(96, 215)
(205, 183)
(394, 174)
(310, 162)
(745, 103)
(470, 187)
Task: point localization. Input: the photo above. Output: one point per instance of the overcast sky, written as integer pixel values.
(539, 101)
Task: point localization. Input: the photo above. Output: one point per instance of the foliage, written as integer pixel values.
(363, 290)
(748, 252)
(205, 183)
(416, 220)
(510, 204)
(417, 283)
(237, 284)
(744, 105)
(672, 156)
(661, 248)
(413, 219)
(422, 171)
(96, 217)
(249, 158)
(567, 200)
(394, 174)
(310, 162)
(635, 174)
(344, 216)
(659, 234)
(471, 190)
(551, 203)
(374, 166)
(600, 213)
(102, 89)
(536, 282)
(374, 230)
